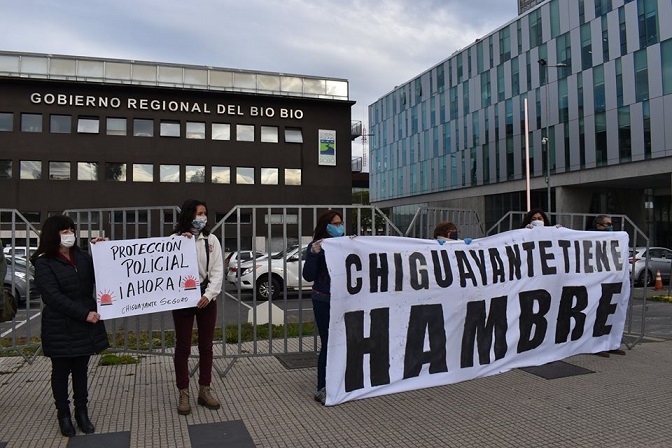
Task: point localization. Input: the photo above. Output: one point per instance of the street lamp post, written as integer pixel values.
(545, 140)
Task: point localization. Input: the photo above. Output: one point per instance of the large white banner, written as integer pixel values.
(409, 313)
(145, 275)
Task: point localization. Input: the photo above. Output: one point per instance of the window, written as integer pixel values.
(169, 173)
(269, 134)
(115, 171)
(292, 176)
(30, 170)
(647, 13)
(87, 171)
(195, 174)
(624, 137)
(586, 47)
(221, 131)
(598, 88)
(269, 176)
(59, 170)
(221, 175)
(170, 129)
(143, 172)
(6, 121)
(666, 61)
(60, 124)
(244, 133)
(116, 126)
(88, 126)
(143, 128)
(31, 122)
(195, 130)
(5, 169)
(504, 44)
(245, 176)
(641, 76)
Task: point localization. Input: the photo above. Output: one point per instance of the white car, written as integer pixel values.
(19, 251)
(231, 260)
(285, 271)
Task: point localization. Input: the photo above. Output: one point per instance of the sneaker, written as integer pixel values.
(321, 395)
(602, 354)
(617, 351)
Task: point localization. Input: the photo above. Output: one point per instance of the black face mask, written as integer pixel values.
(452, 235)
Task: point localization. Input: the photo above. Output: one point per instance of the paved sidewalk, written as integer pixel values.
(626, 402)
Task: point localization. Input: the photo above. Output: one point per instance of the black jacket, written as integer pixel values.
(68, 296)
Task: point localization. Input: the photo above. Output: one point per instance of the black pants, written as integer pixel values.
(61, 368)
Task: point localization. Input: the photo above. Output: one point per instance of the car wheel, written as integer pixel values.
(14, 294)
(264, 290)
(645, 278)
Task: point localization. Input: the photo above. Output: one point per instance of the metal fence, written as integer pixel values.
(267, 289)
(635, 324)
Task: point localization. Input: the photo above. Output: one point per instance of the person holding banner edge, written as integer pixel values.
(71, 327)
(604, 223)
(193, 222)
(329, 225)
(536, 217)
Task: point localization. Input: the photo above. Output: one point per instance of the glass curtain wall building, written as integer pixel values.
(597, 79)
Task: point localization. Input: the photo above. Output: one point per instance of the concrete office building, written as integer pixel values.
(597, 77)
(80, 132)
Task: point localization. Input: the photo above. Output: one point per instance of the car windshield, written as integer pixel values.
(284, 253)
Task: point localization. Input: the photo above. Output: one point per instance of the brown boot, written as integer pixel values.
(206, 399)
(183, 407)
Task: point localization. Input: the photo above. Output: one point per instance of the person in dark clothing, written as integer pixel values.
(71, 327)
(329, 224)
(603, 223)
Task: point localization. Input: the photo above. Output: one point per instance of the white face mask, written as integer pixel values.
(67, 240)
(537, 223)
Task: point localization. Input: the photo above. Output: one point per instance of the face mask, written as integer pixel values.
(537, 223)
(609, 229)
(199, 223)
(452, 235)
(67, 240)
(335, 230)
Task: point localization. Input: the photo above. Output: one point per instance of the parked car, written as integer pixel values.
(19, 251)
(256, 275)
(244, 255)
(20, 279)
(660, 259)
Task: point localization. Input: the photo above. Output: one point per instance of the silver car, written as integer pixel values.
(659, 259)
(19, 280)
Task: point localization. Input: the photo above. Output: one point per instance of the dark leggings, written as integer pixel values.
(184, 324)
(321, 310)
(61, 368)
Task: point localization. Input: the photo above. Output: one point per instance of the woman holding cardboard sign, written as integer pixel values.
(71, 327)
(193, 222)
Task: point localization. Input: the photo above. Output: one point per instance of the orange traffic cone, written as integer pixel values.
(659, 282)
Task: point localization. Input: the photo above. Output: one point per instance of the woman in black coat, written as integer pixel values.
(71, 327)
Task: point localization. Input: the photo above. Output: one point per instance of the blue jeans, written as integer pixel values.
(321, 311)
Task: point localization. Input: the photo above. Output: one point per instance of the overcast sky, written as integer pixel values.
(375, 45)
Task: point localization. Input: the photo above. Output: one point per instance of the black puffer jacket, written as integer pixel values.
(67, 293)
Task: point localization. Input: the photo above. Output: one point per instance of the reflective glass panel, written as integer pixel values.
(170, 129)
(244, 133)
(169, 173)
(6, 121)
(59, 170)
(30, 169)
(195, 174)
(221, 175)
(31, 122)
(293, 136)
(5, 169)
(292, 176)
(221, 131)
(88, 126)
(143, 128)
(269, 176)
(60, 124)
(87, 170)
(195, 130)
(143, 172)
(116, 126)
(269, 134)
(115, 171)
(245, 176)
